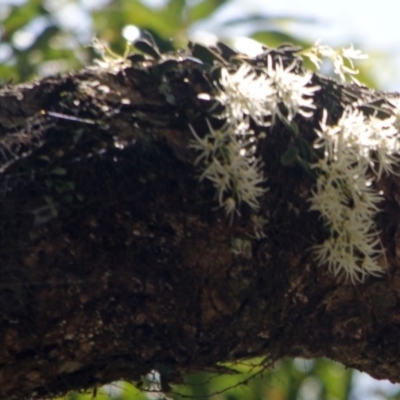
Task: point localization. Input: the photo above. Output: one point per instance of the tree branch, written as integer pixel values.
(117, 260)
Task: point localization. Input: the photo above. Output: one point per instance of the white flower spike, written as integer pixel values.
(357, 151)
(227, 155)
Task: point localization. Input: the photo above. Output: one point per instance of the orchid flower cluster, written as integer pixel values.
(355, 153)
(228, 155)
(357, 150)
(318, 52)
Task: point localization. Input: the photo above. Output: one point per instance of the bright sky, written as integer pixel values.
(370, 22)
(369, 25)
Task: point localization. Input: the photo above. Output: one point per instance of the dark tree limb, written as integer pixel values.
(116, 260)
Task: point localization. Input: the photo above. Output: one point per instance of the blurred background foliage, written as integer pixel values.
(297, 379)
(289, 380)
(45, 37)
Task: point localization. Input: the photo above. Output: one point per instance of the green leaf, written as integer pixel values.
(292, 125)
(305, 150)
(265, 20)
(136, 13)
(205, 54)
(274, 38)
(306, 168)
(204, 9)
(290, 156)
(147, 48)
(174, 11)
(49, 200)
(44, 158)
(58, 171)
(226, 51)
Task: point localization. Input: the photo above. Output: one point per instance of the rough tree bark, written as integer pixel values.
(116, 260)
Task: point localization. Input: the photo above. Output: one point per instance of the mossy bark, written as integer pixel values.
(116, 260)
